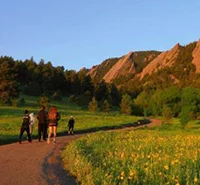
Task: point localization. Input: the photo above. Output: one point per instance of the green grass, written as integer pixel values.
(85, 121)
(160, 155)
(135, 157)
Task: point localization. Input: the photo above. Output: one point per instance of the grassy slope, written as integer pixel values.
(11, 118)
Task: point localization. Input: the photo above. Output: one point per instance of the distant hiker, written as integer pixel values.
(53, 118)
(42, 124)
(32, 121)
(71, 125)
(25, 126)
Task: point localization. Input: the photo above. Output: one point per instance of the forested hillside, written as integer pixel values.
(43, 79)
(144, 83)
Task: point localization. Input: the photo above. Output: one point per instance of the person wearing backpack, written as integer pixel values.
(42, 124)
(25, 127)
(53, 118)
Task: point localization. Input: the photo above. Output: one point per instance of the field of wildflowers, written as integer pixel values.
(135, 157)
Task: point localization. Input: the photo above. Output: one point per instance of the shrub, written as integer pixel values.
(185, 116)
(126, 104)
(93, 105)
(167, 114)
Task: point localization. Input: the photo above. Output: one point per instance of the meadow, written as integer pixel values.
(11, 119)
(156, 156)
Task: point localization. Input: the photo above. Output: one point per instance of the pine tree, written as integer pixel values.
(125, 104)
(105, 106)
(9, 88)
(93, 105)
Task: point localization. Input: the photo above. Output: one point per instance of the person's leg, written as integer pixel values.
(28, 134)
(21, 134)
(72, 129)
(50, 133)
(45, 132)
(39, 131)
(68, 129)
(54, 133)
(30, 128)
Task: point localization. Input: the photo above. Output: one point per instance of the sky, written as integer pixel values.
(83, 33)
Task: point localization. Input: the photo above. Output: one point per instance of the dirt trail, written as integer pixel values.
(39, 163)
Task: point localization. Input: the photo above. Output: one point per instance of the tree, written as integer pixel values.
(43, 100)
(105, 106)
(87, 85)
(72, 82)
(114, 94)
(167, 114)
(185, 116)
(142, 102)
(190, 97)
(101, 91)
(9, 88)
(93, 105)
(125, 104)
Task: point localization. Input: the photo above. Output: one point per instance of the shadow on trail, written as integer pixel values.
(138, 124)
(6, 139)
(53, 169)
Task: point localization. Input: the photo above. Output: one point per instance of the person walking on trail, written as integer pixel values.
(71, 125)
(53, 118)
(25, 126)
(32, 121)
(42, 124)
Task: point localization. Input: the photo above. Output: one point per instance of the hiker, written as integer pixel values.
(25, 127)
(53, 118)
(71, 125)
(32, 121)
(42, 123)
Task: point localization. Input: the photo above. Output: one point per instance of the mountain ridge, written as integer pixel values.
(138, 64)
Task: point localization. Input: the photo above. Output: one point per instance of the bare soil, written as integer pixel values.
(39, 163)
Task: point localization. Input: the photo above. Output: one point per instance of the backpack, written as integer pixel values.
(26, 121)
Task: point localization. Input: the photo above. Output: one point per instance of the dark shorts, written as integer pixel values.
(52, 124)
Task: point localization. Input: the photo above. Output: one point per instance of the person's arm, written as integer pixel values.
(29, 120)
(57, 117)
(38, 115)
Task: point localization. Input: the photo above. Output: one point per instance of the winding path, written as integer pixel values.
(38, 163)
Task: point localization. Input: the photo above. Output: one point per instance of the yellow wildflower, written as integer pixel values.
(195, 179)
(166, 167)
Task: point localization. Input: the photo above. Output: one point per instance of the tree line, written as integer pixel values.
(43, 79)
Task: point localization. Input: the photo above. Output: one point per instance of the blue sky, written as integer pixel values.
(83, 33)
